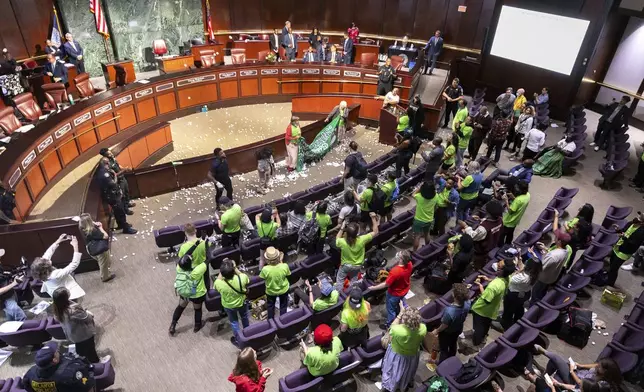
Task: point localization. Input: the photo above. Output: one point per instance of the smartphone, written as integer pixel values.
(548, 379)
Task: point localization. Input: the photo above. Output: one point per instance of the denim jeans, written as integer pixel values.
(242, 311)
(270, 304)
(393, 307)
(460, 153)
(346, 270)
(12, 311)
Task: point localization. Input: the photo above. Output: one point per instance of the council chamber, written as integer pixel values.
(375, 195)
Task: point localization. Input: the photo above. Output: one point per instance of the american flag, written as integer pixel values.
(101, 24)
(211, 33)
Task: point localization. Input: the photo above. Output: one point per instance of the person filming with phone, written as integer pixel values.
(53, 277)
(8, 281)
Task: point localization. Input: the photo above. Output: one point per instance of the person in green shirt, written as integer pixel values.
(468, 189)
(403, 125)
(324, 358)
(230, 221)
(630, 240)
(365, 200)
(464, 132)
(232, 286)
(401, 359)
(324, 221)
(461, 114)
(449, 155)
(320, 297)
(275, 273)
(516, 204)
(426, 201)
(267, 224)
(352, 249)
(354, 320)
(486, 308)
(389, 188)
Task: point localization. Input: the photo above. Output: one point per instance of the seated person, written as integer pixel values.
(230, 222)
(309, 56)
(334, 56)
(519, 172)
(550, 163)
(320, 297)
(324, 358)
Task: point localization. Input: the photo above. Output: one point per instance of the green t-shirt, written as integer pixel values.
(267, 229)
(321, 363)
(355, 319)
(322, 303)
(388, 189)
(365, 199)
(231, 299)
(197, 275)
(489, 302)
(295, 131)
(425, 208)
(406, 342)
(517, 208)
(466, 130)
(460, 116)
(198, 255)
(442, 198)
(631, 229)
(231, 219)
(449, 155)
(276, 278)
(353, 255)
(324, 221)
(467, 181)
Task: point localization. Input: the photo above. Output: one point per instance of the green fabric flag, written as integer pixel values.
(321, 145)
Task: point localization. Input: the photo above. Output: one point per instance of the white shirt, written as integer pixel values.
(72, 43)
(62, 277)
(552, 264)
(536, 139)
(346, 210)
(566, 147)
(520, 283)
(390, 98)
(333, 56)
(524, 124)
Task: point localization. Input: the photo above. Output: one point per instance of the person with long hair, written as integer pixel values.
(449, 155)
(426, 200)
(78, 325)
(324, 358)
(324, 222)
(354, 32)
(248, 374)
(53, 278)
(350, 210)
(95, 238)
(580, 229)
(519, 290)
(403, 353)
(521, 129)
(459, 262)
(352, 249)
(265, 168)
(354, 320)
(315, 38)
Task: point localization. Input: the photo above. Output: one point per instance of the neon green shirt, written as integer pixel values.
(631, 229)
(275, 277)
(295, 131)
(388, 189)
(324, 221)
(231, 219)
(353, 255)
(231, 299)
(355, 319)
(323, 303)
(198, 255)
(425, 208)
(405, 341)
(489, 302)
(449, 155)
(442, 198)
(460, 116)
(466, 130)
(267, 229)
(321, 363)
(467, 181)
(365, 199)
(517, 208)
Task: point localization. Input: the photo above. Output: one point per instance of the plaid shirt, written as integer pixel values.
(500, 129)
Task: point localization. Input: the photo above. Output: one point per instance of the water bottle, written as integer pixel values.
(204, 109)
(71, 99)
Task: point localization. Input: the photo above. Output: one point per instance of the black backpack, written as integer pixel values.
(309, 232)
(353, 216)
(359, 169)
(470, 371)
(414, 144)
(378, 199)
(577, 330)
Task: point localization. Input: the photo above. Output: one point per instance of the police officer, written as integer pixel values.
(113, 195)
(120, 175)
(7, 204)
(55, 372)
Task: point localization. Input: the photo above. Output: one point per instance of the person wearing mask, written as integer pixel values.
(521, 129)
(232, 285)
(498, 134)
(433, 159)
(347, 49)
(426, 200)
(464, 133)
(219, 174)
(452, 322)
(98, 245)
(416, 113)
(432, 51)
(350, 211)
(74, 52)
(274, 42)
(481, 124)
(78, 325)
(365, 199)
(404, 153)
(341, 111)
(320, 297)
(468, 189)
(267, 224)
(615, 116)
(515, 203)
(459, 263)
(630, 240)
(401, 359)
(519, 289)
(354, 32)
(487, 233)
(446, 202)
(53, 278)
(398, 283)
(292, 139)
(275, 273)
(505, 102)
(522, 172)
(355, 167)
(354, 320)
(452, 95)
(460, 116)
(542, 98)
(56, 70)
(352, 249)
(56, 372)
(229, 222)
(389, 188)
(289, 42)
(449, 156)
(552, 264)
(324, 222)
(550, 163)
(386, 77)
(486, 307)
(248, 374)
(532, 142)
(324, 358)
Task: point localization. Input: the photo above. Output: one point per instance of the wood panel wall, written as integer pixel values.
(24, 24)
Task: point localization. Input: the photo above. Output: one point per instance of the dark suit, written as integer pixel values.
(58, 71)
(291, 52)
(323, 52)
(309, 57)
(347, 47)
(53, 50)
(334, 56)
(432, 50)
(73, 51)
(607, 125)
(274, 42)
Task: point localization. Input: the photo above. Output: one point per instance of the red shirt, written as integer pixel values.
(243, 383)
(398, 281)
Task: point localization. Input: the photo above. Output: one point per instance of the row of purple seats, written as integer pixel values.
(171, 236)
(617, 156)
(302, 381)
(392, 230)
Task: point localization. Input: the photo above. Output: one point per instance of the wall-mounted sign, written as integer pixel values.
(143, 93)
(122, 100)
(28, 159)
(103, 109)
(227, 75)
(462, 8)
(62, 130)
(14, 177)
(45, 143)
(81, 119)
(198, 79)
(164, 86)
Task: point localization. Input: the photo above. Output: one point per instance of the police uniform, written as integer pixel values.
(70, 374)
(114, 165)
(113, 195)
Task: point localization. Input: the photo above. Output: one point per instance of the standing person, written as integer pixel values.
(53, 278)
(636, 182)
(551, 265)
(354, 320)
(352, 249)
(434, 159)
(286, 28)
(350, 210)
(355, 167)
(248, 374)
(468, 189)
(341, 111)
(444, 204)
(629, 242)
(534, 141)
(354, 32)
(516, 204)
(366, 198)
(416, 113)
(452, 322)
(505, 102)
(289, 42)
(401, 359)
(432, 51)
(464, 133)
(292, 139)
(324, 222)
(460, 116)
(219, 174)
(112, 194)
(265, 168)
(541, 98)
(459, 263)
(615, 115)
(482, 123)
(391, 99)
(56, 70)
(232, 285)
(314, 38)
(522, 127)
(275, 42)
(347, 49)
(74, 51)
(486, 307)
(452, 95)
(275, 274)
(426, 200)
(398, 283)
(449, 156)
(519, 289)
(500, 129)
(230, 222)
(7, 204)
(51, 48)
(519, 103)
(404, 153)
(267, 224)
(324, 358)
(386, 77)
(389, 188)
(120, 176)
(487, 233)
(98, 245)
(78, 325)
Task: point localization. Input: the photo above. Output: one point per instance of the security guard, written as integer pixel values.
(56, 373)
(7, 204)
(120, 175)
(113, 195)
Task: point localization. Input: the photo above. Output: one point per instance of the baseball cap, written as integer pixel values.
(355, 298)
(45, 355)
(326, 288)
(323, 335)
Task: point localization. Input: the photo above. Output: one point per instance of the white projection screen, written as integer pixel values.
(543, 40)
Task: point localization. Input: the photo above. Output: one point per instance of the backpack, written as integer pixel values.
(395, 193)
(353, 216)
(577, 330)
(265, 239)
(309, 232)
(437, 384)
(359, 169)
(377, 203)
(470, 371)
(184, 285)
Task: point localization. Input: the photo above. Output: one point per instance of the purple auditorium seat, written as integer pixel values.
(296, 272)
(304, 196)
(325, 316)
(431, 314)
(559, 204)
(636, 318)
(579, 137)
(213, 301)
(527, 239)
(31, 333)
(169, 236)
(104, 374)
(540, 227)
(547, 215)
(640, 299)
(372, 351)
(253, 211)
(629, 339)
(349, 363)
(216, 255)
(579, 128)
(36, 286)
(9, 384)
(300, 381)
(472, 277)
(425, 250)
(405, 183)
(609, 174)
(250, 249)
(607, 225)
(580, 121)
(204, 227)
(519, 335)
(539, 316)
(55, 329)
(603, 238)
(624, 359)
(597, 253)
(259, 336)
(557, 299)
(336, 186)
(372, 296)
(291, 325)
(444, 239)
(618, 213)
(315, 265)
(488, 269)
(385, 234)
(420, 263)
(495, 355)
(572, 283)
(24, 293)
(256, 288)
(448, 297)
(585, 267)
(451, 366)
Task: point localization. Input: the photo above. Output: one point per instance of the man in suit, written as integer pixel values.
(334, 56)
(289, 42)
(615, 116)
(432, 50)
(323, 50)
(50, 48)
(75, 53)
(309, 56)
(347, 47)
(56, 70)
(286, 28)
(274, 42)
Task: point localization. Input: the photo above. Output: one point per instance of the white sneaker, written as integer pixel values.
(627, 267)
(596, 148)
(106, 358)
(592, 144)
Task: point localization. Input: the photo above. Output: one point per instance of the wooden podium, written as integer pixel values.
(388, 124)
(175, 63)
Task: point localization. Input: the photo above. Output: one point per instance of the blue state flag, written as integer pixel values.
(55, 31)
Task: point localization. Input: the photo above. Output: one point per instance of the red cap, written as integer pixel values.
(323, 335)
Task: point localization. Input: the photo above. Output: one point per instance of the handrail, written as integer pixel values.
(334, 81)
(613, 87)
(42, 56)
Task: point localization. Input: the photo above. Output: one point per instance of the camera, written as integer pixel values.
(19, 271)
